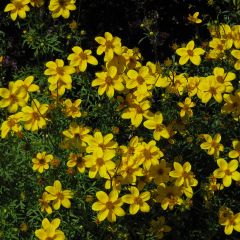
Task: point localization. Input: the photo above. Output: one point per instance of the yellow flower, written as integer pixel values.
(232, 105)
(17, 8)
(194, 18)
(41, 162)
(136, 111)
(108, 82)
(72, 109)
(76, 160)
(138, 78)
(213, 146)
(137, 201)
(236, 54)
(224, 78)
(101, 143)
(186, 107)
(190, 53)
(100, 163)
(236, 152)
(160, 172)
(80, 58)
(209, 87)
(60, 76)
(184, 177)
(76, 136)
(192, 85)
(28, 85)
(130, 169)
(61, 7)
(13, 97)
(168, 196)
(12, 123)
(155, 123)
(44, 203)
(158, 227)
(149, 154)
(34, 116)
(227, 171)
(109, 45)
(229, 220)
(49, 230)
(108, 206)
(59, 196)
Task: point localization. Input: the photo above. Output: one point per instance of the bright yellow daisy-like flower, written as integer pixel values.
(155, 123)
(13, 97)
(72, 109)
(108, 82)
(109, 45)
(236, 54)
(28, 85)
(11, 124)
(45, 203)
(80, 58)
(17, 8)
(41, 161)
(60, 76)
(212, 145)
(34, 116)
(140, 77)
(100, 163)
(194, 18)
(229, 220)
(186, 107)
(61, 8)
(189, 53)
(137, 201)
(49, 230)
(136, 111)
(227, 171)
(59, 196)
(108, 206)
(78, 161)
(236, 152)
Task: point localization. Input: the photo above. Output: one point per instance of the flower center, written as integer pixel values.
(109, 205)
(190, 52)
(60, 71)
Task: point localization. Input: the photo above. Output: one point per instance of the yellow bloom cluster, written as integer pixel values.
(57, 7)
(49, 230)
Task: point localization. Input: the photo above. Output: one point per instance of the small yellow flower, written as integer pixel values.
(213, 146)
(155, 123)
(60, 76)
(108, 206)
(72, 109)
(108, 82)
(80, 58)
(137, 201)
(227, 171)
(34, 116)
(61, 8)
(37, 3)
(186, 107)
(236, 54)
(49, 230)
(230, 220)
(13, 97)
(17, 8)
(189, 53)
(45, 203)
(194, 18)
(76, 160)
(59, 196)
(236, 152)
(41, 162)
(109, 45)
